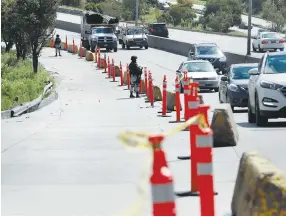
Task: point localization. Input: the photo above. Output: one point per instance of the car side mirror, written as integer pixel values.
(253, 71)
(117, 32)
(124, 34)
(224, 78)
(191, 53)
(178, 71)
(87, 31)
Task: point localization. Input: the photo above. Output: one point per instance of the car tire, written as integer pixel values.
(146, 47)
(141, 47)
(115, 49)
(251, 116)
(92, 49)
(260, 120)
(216, 89)
(123, 45)
(128, 47)
(253, 48)
(260, 50)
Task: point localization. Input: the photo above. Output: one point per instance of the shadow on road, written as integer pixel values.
(278, 124)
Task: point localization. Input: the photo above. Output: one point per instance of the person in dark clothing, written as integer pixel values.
(58, 45)
(135, 76)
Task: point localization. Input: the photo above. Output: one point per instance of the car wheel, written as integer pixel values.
(115, 49)
(146, 47)
(123, 45)
(128, 47)
(253, 48)
(260, 120)
(251, 116)
(216, 89)
(260, 50)
(92, 49)
(141, 47)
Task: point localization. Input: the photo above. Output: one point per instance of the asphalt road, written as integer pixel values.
(231, 44)
(65, 159)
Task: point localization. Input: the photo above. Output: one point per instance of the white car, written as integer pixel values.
(267, 89)
(268, 41)
(201, 71)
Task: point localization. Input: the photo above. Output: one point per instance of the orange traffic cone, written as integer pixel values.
(66, 44)
(161, 181)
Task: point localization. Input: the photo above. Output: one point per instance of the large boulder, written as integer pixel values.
(89, 56)
(83, 51)
(171, 101)
(157, 91)
(224, 127)
(260, 188)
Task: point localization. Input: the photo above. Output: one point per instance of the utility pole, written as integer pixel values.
(137, 12)
(249, 27)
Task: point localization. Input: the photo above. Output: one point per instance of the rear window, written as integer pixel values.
(208, 50)
(270, 35)
(102, 30)
(158, 26)
(239, 73)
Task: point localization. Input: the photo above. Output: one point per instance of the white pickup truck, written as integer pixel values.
(133, 37)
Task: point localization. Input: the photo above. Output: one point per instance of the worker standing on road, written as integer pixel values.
(58, 45)
(135, 76)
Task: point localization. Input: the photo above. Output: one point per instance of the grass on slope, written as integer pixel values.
(19, 83)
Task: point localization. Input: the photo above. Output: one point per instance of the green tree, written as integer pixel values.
(220, 22)
(6, 30)
(256, 5)
(180, 12)
(275, 12)
(230, 8)
(165, 18)
(37, 17)
(129, 8)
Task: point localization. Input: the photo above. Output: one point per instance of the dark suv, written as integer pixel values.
(158, 29)
(210, 52)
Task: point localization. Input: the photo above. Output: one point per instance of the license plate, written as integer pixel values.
(273, 41)
(105, 45)
(208, 85)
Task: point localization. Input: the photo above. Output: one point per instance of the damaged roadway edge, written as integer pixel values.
(32, 105)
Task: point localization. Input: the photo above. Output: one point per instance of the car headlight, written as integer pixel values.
(222, 59)
(130, 39)
(270, 85)
(144, 39)
(213, 78)
(94, 38)
(114, 38)
(233, 87)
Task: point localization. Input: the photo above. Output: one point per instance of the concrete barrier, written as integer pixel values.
(89, 56)
(83, 52)
(67, 26)
(183, 48)
(224, 127)
(63, 45)
(260, 188)
(157, 93)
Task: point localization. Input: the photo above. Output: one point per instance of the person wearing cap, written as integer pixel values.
(58, 45)
(135, 76)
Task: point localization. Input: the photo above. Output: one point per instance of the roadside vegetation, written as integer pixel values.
(218, 16)
(26, 25)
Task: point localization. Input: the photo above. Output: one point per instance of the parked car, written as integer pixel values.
(233, 88)
(158, 29)
(201, 71)
(267, 89)
(210, 52)
(244, 25)
(268, 41)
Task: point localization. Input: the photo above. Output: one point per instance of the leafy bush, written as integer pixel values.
(19, 83)
(94, 7)
(165, 18)
(180, 12)
(223, 8)
(220, 22)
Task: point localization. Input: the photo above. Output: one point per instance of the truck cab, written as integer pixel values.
(133, 37)
(97, 31)
(102, 37)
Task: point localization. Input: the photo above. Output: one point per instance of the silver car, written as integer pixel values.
(268, 41)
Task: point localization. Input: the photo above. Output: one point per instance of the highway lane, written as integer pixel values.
(231, 44)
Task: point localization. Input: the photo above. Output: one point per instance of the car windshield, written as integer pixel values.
(275, 64)
(208, 50)
(270, 35)
(135, 31)
(239, 73)
(198, 67)
(102, 30)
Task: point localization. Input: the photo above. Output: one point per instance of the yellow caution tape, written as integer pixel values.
(140, 140)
